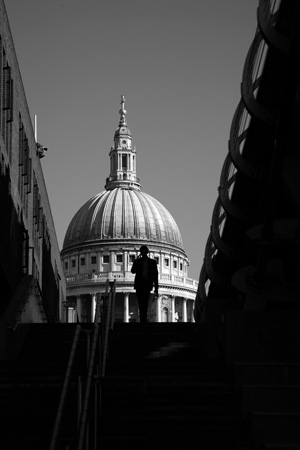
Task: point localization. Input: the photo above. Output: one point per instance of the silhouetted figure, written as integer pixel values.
(146, 277)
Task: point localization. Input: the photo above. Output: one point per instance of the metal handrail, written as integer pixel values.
(103, 320)
(113, 303)
(97, 357)
(84, 413)
(106, 326)
(102, 345)
(64, 391)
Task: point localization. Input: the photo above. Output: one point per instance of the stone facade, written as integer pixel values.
(31, 275)
(85, 282)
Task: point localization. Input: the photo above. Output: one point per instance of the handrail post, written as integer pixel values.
(88, 347)
(112, 316)
(106, 326)
(79, 398)
(96, 409)
(83, 428)
(64, 389)
(105, 297)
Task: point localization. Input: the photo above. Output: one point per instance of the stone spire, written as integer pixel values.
(122, 156)
(122, 112)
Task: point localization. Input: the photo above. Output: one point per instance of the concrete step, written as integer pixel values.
(163, 442)
(30, 387)
(164, 393)
(266, 373)
(269, 398)
(217, 429)
(273, 428)
(279, 446)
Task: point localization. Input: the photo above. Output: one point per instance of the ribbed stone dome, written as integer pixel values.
(123, 213)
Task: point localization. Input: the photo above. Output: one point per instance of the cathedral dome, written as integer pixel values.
(123, 213)
(104, 237)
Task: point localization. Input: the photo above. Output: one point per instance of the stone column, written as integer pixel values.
(112, 256)
(93, 306)
(173, 309)
(125, 263)
(126, 307)
(158, 309)
(78, 308)
(184, 310)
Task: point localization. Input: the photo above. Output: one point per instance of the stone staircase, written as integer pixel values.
(30, 388)
(262, 349)
(162, 392)
(270, 399)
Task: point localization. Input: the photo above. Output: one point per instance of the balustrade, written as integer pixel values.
(101, 277)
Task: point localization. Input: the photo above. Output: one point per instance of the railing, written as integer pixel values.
(90, 380)
(103, 277)
(108, 314)
(64, 392)
(99, 277)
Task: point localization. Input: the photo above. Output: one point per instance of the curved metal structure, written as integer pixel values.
(254, 239)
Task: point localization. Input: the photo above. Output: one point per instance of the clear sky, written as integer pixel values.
(179, 64)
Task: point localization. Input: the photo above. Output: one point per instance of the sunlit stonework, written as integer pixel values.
(104, 238)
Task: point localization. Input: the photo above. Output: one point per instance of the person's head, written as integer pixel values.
(144, 250)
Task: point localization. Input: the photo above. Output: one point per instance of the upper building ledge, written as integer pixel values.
(101, 277)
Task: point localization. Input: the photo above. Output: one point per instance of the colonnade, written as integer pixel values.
(164, 308)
